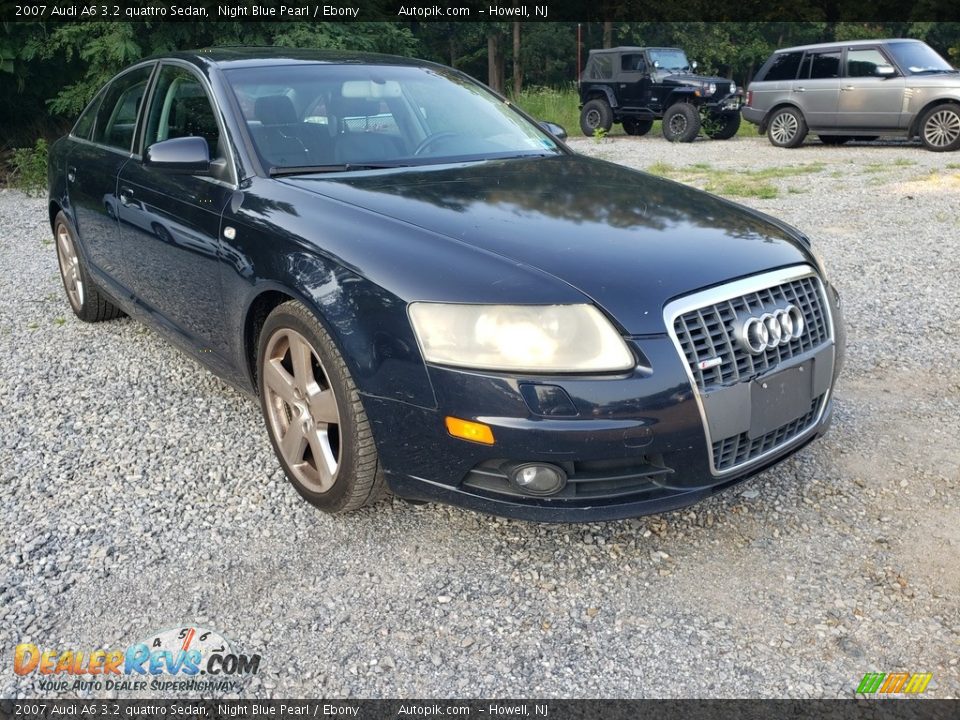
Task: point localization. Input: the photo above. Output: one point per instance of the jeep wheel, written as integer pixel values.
(834, 139)
(633, 126)
(723, 126)
(787, 128)
(940, 128)
(596, 115)
(681, 123)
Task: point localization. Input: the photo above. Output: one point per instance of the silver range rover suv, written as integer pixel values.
(861, 89)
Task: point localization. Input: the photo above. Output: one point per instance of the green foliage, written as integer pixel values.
(599, 134)
(30, 169)
(558, 106)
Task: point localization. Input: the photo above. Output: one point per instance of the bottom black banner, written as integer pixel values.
(892, 709)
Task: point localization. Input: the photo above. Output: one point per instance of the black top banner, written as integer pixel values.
(481, 10)
(893, 709)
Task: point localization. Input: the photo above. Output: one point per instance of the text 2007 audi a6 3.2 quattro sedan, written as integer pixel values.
(430, 293)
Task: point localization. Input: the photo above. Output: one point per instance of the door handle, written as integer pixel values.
(126, 196)
(71, 174)
(847, 88)
(799, 89)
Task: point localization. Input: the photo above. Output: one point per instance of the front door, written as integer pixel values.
(170, 223)
(868, 100)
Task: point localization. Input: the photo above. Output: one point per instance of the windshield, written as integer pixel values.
(917, 58)
(339, 117)
(670, 59)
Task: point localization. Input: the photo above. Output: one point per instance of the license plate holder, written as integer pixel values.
(779, 398)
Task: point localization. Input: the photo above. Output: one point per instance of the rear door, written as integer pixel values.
(817, 87)
(93, 164)
(868, 100)
(170, 223)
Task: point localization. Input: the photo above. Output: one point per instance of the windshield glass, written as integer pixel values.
(917, 57)
(670, 59)
(330, 116)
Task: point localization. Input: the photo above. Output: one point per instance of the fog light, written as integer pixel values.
(538, 479)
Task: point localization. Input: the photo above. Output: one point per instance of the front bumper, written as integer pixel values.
(643, 429)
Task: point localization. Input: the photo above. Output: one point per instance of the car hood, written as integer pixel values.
(626, 239)
(695, 80)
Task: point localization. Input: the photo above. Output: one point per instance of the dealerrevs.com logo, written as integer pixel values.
(195, 658)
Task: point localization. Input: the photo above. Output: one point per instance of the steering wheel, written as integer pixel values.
(429, 140)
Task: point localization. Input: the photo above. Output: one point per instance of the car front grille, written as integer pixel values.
(738, 449)
(708, 332)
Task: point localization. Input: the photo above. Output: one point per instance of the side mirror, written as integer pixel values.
(656, 64)
(180, 156)
(694, 64)
(885, 71)
(556, 130)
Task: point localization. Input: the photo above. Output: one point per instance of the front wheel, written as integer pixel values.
(633, 126)
(596, 115)
(316, 422)
(724, 126)
(787, 128)
(940, 128)
(681, 123)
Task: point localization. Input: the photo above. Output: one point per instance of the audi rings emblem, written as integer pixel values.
(759, 333)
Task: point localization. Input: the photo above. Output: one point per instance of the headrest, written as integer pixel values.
(275, 110)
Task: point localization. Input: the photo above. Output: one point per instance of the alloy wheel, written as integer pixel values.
(69, 267)
(942, 128)
(678, 125)
(302, 410)
(784, 128)
(592, 119)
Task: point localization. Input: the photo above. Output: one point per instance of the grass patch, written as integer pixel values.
(735, 183)
(953, 166)
(59, 321)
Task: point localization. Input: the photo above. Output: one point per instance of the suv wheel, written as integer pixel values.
(633, 126)
(596, 115)
(787, 128)
(723, 126)
(940, 128)
(681, 123)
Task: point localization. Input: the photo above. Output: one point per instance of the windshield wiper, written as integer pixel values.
(343, 167)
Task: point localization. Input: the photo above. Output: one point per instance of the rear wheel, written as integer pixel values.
(596, 115)
(723, 126)
(787, 128)
(316, 422)
(940, 128)
(86, 300)
(681, 123)
(637, 127)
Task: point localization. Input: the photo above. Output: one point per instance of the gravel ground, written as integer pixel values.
(140, 493)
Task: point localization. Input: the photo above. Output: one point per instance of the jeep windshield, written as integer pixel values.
(336, 118)
(918, 58)
(675, 60)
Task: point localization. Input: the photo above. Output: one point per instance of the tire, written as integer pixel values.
(88, 302)
(306, 389)
(787, 128)
(681, 123)
(835, 139)
(596, 114)
(724, 125)
(940, 128)
(637, 127)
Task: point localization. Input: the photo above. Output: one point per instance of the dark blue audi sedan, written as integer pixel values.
(430, 294)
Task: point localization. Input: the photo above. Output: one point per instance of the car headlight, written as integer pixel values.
(711, 89)
(733, 88)
(527, 338)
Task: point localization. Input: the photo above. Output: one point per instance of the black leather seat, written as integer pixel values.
(285, 141)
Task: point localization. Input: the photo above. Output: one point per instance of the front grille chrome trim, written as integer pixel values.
(724, 293)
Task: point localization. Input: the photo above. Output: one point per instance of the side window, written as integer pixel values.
(117, 115)
(601, 67)
(181, 108)
(632, 63)
(824, 65)
(85, 124)
(863, 62)
(783, 66)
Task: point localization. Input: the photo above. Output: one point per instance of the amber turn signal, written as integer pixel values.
(472, 431)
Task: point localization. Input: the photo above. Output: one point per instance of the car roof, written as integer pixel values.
(846, 43)
(629, 48)
(238, 57)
